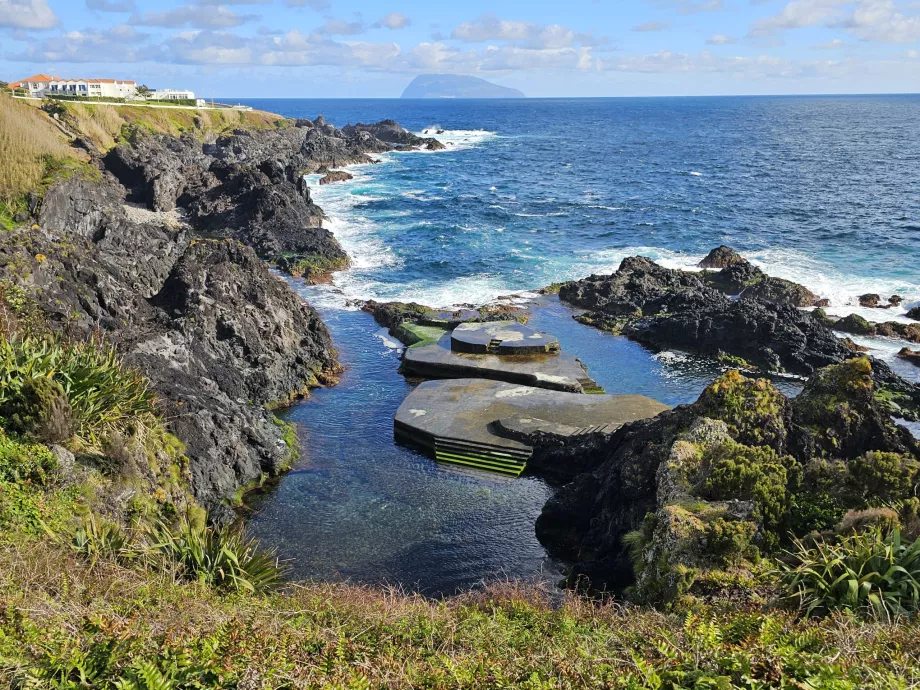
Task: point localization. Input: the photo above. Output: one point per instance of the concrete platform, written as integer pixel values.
(543, 370)
(457, 420)
(501, 338)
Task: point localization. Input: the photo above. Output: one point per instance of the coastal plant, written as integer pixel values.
(97, 538)
(24, 462)
(104, 395)
(874, 572)
(220, 556)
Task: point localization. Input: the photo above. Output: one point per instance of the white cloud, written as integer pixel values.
(869, 20)
(195, 16)
(652, 26)
(119, 44)
(111, 5)
(489, 27)
(394, 20)
(719, 40)
(27, 14)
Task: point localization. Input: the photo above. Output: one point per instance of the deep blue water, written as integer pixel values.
(821, 190)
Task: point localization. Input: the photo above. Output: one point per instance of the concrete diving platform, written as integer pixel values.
(471, 422)
(500, 350)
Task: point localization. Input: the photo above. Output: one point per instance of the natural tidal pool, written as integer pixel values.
(362, 508)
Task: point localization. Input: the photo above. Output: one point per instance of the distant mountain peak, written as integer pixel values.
(456, 86)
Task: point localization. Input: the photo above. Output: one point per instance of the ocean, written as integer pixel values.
(819, 190)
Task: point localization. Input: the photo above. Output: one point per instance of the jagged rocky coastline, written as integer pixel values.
(163, 248)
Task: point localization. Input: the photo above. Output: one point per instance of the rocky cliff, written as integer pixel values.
(683, 504)
(160, 245)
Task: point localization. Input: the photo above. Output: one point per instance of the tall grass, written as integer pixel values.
(105, 396)
(26, 138)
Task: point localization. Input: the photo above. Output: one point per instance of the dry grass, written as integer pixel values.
(27, 138)
(58, 616)
(104, 124)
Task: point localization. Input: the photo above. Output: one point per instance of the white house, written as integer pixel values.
(42, 85)
(172, 95)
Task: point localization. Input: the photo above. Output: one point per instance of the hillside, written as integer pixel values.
(456, 86)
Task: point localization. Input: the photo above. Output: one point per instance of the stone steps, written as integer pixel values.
(481, 456)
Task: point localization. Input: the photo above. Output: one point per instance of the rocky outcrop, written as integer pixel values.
(721, 257)
(217, 334)
(335, 176)
(679, 505)
(912, 356)
(391, 132)
(248, 184)
(854, 323)
(746, 280)
(666, 308)
(913, 313)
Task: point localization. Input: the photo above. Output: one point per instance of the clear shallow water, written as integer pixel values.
(819, 190)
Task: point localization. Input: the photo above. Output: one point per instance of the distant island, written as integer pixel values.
(456, 86)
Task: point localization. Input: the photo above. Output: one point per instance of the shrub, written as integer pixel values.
(748, 473)
(883, 475)
(222, 557)
(103, 394)
(814, 511)
(25, 462)
(754, 410)
(40, 411)
(872, 572)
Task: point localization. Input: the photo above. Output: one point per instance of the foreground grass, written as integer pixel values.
(64, 624)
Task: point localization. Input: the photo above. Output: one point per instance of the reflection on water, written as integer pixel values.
(361, 508)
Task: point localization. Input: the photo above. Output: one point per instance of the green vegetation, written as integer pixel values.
(312, 267)
(187, 102)
(44, 382)
(415, 335)
(872, 572)
(28, 140)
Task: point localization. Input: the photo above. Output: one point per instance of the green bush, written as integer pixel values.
(884, 475)
(25, 462)
(814, 511)
(40, 411)
(753, 473)
(103, 394)
(873, 572)
(222, 557)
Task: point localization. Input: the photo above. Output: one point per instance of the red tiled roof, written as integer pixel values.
(38, 77)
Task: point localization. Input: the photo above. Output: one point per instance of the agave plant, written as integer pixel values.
(221, 557)
(873, 572)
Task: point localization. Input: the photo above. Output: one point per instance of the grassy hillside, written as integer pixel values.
(28, 138)
(35, 138)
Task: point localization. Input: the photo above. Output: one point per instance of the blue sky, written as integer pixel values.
(373, 48)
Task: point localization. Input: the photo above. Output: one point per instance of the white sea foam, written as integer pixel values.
(696, 174)
(456, 139)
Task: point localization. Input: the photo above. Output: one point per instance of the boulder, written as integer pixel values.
(721, 257)
(870, 300)
(335, 176)
(912, 356)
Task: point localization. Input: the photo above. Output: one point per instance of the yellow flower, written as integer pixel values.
(40, 258)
